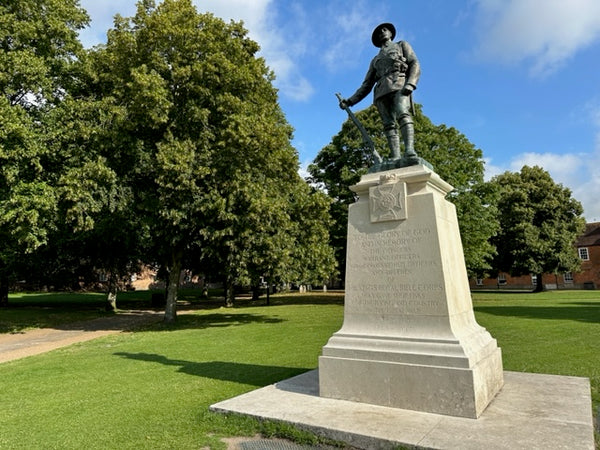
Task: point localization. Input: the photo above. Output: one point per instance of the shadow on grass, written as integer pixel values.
(221, 319)
(58, 301)
(128, 321)
(59, 321)
(588, 312)
(86, 311)
(144, 321)
(251, 374)
(315, 298)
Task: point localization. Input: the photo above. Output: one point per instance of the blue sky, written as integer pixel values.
(520, 78)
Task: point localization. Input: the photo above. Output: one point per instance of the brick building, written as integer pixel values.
(588, 277)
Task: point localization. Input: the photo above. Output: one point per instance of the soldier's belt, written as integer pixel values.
(399, 73)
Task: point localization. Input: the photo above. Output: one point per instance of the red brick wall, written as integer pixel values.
(587, 278)
(590, 270)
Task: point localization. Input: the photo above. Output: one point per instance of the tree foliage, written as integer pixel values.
(166, 146)
(193, 131)
(539, 223)
(342, 162)
(38, 46)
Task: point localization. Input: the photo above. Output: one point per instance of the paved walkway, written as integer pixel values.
(34, 342)
(532, 411)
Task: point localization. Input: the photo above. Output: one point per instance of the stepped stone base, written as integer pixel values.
(532, 411)
(409, 338)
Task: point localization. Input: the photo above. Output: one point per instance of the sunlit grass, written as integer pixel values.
(555, 332)
(152, 388)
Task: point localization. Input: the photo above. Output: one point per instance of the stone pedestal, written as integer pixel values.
(409, 338)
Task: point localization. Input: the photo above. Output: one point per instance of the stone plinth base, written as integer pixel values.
(409, 338)
(532, 411)
(454, 391)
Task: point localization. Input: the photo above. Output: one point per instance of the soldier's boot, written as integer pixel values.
(394, 143)
(408, 137)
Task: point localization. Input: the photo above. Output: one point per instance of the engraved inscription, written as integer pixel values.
(386, 274)
(393, 299)
(394, 252)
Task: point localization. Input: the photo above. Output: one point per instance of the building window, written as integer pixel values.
(501, 278)
(583, 253)
(568, 277)
(479, 281)
(534, 279)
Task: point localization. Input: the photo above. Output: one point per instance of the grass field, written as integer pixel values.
(152, 388)
(39, 310)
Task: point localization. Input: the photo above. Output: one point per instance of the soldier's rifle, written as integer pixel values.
(366, 138)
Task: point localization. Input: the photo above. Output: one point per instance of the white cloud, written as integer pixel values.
(578, 172)
(542, 33)
(101, 13)
(349, 34)
(565, 169)
(562, 167)
(588, 192)
(587, 188)
(281, 55)
(491, 170)
(252, 12)
(303, 169)
(258, 17)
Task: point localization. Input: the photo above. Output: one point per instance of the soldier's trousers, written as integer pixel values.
(394, 108)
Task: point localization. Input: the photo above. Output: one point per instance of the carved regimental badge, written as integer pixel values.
(387, 201)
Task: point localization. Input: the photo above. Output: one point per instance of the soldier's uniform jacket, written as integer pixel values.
(394, 66)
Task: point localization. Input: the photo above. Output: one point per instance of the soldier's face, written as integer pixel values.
(385, 34)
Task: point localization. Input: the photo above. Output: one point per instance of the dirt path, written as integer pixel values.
(34, 342)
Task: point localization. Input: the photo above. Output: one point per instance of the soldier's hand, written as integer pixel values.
(344, 104)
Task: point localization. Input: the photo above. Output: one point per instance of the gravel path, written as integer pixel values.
(29, 343)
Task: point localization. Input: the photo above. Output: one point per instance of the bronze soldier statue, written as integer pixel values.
(395, 73)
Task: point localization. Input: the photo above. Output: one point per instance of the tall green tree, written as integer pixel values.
(539, 223)
(38, 46)
(198, 139)
(156, 76)
(97, 203)
(342, 162)
(313, 258)
(277, 231)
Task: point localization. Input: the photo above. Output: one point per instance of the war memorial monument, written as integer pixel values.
(410, 364)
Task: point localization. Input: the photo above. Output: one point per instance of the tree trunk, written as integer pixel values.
(269, 293)
(3, 291)
(229, 293)
(255, 292)
(539, 287)
(172, 287)
(111, 298)
(3, 286)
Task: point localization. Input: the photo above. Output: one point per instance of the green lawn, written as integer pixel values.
(555, 332)
(43, 310)
(152, 388)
